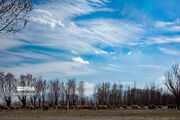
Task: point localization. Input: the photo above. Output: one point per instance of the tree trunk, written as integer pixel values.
(56, 101)
(31, 101)
(39, 102)
(34, 101)
(178, 102)
(24, 103)
(23, 100)
(8, 103)
(43, 97)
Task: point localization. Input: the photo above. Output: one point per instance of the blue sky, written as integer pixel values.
(96, 41)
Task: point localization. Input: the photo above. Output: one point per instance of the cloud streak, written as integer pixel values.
(62, 68)
(8, 43)
(163, 40)
(169, 51)
(169, 26)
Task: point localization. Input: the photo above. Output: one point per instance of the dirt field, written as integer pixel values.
(90, 115)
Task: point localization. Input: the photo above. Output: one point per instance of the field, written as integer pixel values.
(90, 115)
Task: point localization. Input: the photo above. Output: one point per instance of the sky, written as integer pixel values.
(124, 41)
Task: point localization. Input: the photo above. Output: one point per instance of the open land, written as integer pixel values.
(119, 114)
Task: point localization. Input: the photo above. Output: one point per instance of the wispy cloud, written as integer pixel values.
(169, 51)
(169, 26)
(100, 52)
(9, 42)
(113, 67)
(52, 26)
(62, 68)
(83, 36)
(163, 40)
(55, 12)
(166, 32)
(150, 66)
(65, 26)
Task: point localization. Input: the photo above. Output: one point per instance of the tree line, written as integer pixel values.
(52, 93)
(72, 93)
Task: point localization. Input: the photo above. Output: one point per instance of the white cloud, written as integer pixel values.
(113, 67)
(163, 39)
(43, 11)
(124, 83)
(100, 52)
(7, 60)
(150, 66)
(80, 60)
(111, 32)
(82, 36)
(55, 12)
(129, 53)
(57, 68)
(28, 54)
(89, 88)
(162, 26)
(169, 51)
(169, 26)
(49, 21)
(8, 43)
(78, 37)
(174, 28)
(162, 23)
(45, 17)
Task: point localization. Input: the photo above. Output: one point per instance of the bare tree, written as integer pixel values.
(25, 81)
(56, 87)
(71, 96)
(34, 97)
(13, 14)
(41, 87)
(43, 91)
(101, 93)
(104, 93)
(39, 90)
(172, 82)
(114, 95)
(7, 83)
(120, 94)
(152, 93)
(50, 95)
(54, 92)
(81, 91)
(63, 92)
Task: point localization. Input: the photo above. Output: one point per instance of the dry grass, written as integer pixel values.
(108, 113)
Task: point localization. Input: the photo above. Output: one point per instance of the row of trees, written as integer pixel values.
(116, 94)
(72, 93)
(52, 92)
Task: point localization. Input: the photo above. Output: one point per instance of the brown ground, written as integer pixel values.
(90, 115)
